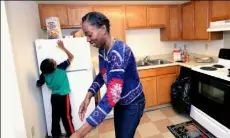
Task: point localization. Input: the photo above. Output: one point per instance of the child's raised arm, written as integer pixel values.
(61, 45)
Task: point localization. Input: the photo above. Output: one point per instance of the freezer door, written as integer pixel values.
(79, 81)
(79, 47)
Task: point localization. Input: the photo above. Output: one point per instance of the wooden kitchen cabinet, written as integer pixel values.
(188, 21)
(164, 82)
(157, 83)
(53, 11)
(146, 16)
(149, 88)
(69, 15)
(136, 16)
(202, 21)
(157, 16)
(116, 16)
(75, 14)
(172, 31)
(220, 10)
(195, 22)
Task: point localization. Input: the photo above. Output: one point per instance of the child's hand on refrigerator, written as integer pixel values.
(60, 44)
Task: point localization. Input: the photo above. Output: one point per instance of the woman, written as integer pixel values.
(119, 73)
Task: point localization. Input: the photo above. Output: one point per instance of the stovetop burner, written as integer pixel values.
(218, 66)
(208, 68)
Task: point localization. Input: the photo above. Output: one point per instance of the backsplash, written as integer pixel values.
(199, 47)
(147, 42)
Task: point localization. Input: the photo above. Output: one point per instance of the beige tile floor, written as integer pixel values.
(153, 124)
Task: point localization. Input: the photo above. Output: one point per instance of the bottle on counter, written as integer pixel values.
(176, 55)
(185, 54)
(182, 55)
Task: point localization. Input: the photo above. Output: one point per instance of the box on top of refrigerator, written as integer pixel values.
(53, 28)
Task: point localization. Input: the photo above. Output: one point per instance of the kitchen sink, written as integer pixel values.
(158, 61)
(153, 62)
(141, 63)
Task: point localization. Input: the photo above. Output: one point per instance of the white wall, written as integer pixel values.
(198, 47)
(143, 42)
(12, 121)
(227, 39)
(24, 25)
(147, 42)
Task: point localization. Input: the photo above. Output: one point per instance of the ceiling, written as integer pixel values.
(118, 2)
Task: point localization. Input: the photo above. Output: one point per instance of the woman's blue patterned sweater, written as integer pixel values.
(118, 72)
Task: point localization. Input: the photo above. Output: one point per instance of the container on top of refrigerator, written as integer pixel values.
(53, 28)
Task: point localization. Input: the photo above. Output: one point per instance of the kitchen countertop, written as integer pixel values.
(189, 64)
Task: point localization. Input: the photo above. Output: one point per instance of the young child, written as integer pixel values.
(55, 77)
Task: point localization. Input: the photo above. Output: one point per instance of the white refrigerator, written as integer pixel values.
(80, 75)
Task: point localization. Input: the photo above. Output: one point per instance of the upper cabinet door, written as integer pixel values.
(75, 13)
(136, 16)
(220, 10)
(172, 31)
(53, 11)
(175, 22)
(157, 16)
(188, 21)
(116, 16)
(201, 20)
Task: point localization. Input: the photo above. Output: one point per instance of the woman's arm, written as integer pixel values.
(115, 78)
(97, 84)
(115, 75)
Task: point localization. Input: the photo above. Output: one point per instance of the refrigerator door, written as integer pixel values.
(79, 81)
(79, 47)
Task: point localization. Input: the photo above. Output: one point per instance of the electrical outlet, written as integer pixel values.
(175, 46)
(32, 131)
(206, 46)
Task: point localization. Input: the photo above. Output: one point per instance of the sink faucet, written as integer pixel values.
(146, 58)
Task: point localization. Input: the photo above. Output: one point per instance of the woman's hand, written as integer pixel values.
(83, 108)
(76, 135)
(82, 131)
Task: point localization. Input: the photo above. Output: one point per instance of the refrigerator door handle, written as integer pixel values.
(78, 70)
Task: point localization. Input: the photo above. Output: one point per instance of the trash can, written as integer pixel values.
(180, 92)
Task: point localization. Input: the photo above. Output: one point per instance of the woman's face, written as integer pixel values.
(95, 36)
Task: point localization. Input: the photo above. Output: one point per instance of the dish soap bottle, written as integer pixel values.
(185, 54)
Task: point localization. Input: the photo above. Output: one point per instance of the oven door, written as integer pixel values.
(212, 96)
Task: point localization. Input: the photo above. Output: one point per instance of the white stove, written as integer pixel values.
(218, 70)
(210, 95)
